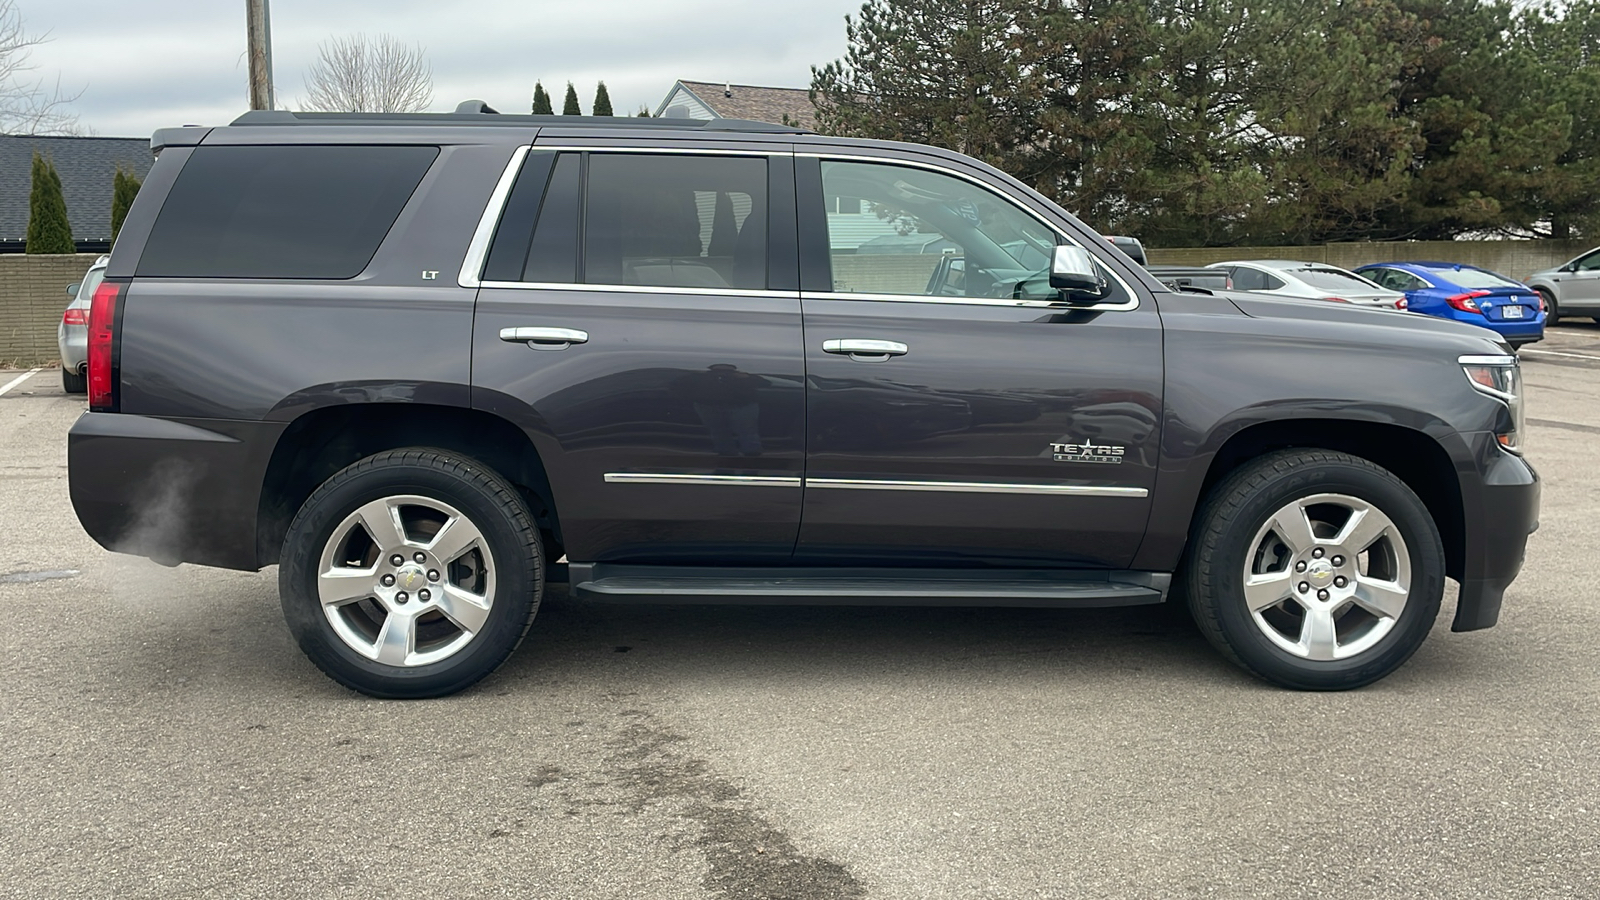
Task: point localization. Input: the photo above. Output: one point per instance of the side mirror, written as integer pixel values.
(72, 290)
(1074, 274)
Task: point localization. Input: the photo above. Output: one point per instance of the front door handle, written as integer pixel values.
(544, 338)
(865, 350)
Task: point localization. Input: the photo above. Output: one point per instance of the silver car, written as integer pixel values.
(1309, 281)
(1571, 289)
(72, 335)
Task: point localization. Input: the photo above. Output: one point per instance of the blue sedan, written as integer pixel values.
(1466, 294)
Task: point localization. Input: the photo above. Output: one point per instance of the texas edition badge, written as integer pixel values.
(1088, 452)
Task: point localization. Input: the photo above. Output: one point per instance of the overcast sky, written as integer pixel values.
(156, 63)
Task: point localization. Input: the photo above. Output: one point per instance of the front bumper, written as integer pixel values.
(1501, 504)
(173, 490)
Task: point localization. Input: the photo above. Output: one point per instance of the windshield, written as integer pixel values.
(1477, 278)
(1333, 279)
(91, 281)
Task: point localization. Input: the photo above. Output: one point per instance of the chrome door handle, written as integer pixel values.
(544, 338)
(865, 350)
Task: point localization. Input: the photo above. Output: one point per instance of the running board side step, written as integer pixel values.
(794, 586)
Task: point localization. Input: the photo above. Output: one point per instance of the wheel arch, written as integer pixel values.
(1414, 457)
(320, 442)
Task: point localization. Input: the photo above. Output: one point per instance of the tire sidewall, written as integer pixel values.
(516, 583)
(1416, 527)
(1552, 311)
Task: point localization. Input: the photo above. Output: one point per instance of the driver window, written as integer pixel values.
(1589, 263)
(909, 231)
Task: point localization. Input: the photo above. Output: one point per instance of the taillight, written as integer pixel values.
(1401, 304)
(1540, 298)
(102, 332)
(1467, 302)
(75, 316)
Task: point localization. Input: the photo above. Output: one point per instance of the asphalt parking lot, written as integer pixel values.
(161, 736)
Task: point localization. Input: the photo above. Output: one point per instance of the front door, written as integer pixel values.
(957, 413)
(639, 319)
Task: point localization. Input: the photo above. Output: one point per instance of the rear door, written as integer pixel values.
(638, 317)
(961, 414)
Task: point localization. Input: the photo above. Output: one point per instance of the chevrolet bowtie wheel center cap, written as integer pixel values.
(410, 577)
(1320, 573)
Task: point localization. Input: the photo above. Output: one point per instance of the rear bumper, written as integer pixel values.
(73, 343)
(1519, 332)
(173, 490)
(1501, 512)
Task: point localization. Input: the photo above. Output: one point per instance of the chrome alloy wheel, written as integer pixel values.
(406, 580)
(1327, 577)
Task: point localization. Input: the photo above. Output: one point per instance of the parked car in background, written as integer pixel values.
(1571, 289)
(1129, 245)
(1466, 294)
(72, 335)
(1309, 281)
(1181, 278)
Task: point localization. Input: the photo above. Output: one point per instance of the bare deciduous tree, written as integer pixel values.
(362, 74)
(28, 106)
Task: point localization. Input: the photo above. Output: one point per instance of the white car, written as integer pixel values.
(1309, 281)
(72, 335)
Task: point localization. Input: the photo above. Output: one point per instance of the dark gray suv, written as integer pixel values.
(416, 361)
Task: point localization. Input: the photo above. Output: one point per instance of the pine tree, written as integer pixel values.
(541, 101)
(570, 107)
(643, 113)
(124, 187)
(602, 101)
(48, 228)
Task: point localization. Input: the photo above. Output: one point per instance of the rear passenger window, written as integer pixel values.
(281, 212)
(676, 221)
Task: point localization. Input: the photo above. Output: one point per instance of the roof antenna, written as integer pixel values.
(727, 89)
(476, 106)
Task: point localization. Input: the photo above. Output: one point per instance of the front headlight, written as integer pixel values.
(1501, 378)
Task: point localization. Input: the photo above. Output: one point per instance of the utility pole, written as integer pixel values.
(259, 28)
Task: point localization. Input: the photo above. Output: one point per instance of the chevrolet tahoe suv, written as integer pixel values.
(426, 364)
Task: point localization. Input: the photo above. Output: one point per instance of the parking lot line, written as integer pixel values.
(19, 379)
(1523, 350)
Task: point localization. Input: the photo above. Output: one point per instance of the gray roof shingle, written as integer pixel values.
(760, 104)
(86, 166)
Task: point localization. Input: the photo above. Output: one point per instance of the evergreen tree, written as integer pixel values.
(602, 101)
(124, 187)
(541, 101)
(570, 106)
(1566, 195)
(48, 228)
(643, 113)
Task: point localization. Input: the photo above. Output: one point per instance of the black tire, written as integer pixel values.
(1226, 527)
(73, 383)
(483, 497)
(1552, 313)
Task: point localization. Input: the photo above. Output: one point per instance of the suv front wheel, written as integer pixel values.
(1315, 570)
(411, 573)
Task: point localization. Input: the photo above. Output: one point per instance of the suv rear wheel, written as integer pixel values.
(74, 382)
(411, 573)
(1315, 570)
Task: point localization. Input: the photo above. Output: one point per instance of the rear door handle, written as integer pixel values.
(865, 350)
(544, 338)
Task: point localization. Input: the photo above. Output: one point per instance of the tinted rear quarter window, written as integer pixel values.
(282, 211)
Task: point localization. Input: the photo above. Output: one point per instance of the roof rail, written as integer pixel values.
(476, 112)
